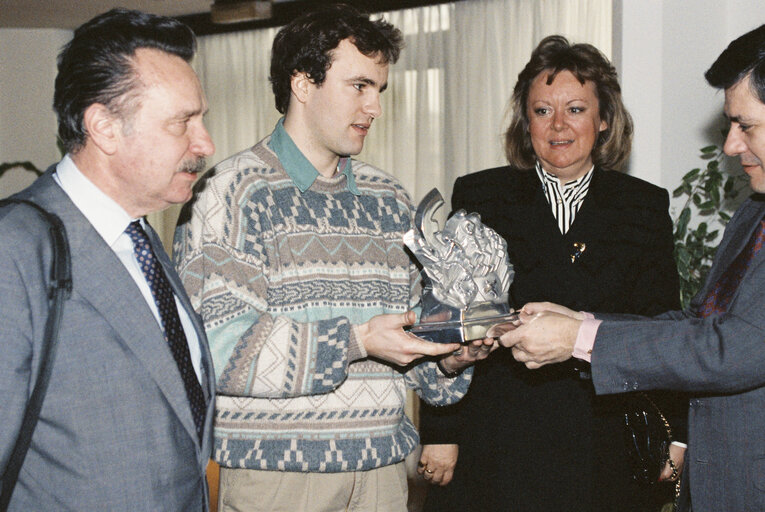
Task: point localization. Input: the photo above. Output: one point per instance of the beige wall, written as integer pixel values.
(662, 49)
(27, 122)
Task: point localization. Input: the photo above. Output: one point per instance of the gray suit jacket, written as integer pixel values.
(721, 361)
(115, 430)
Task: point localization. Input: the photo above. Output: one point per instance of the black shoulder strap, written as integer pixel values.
(60, 289)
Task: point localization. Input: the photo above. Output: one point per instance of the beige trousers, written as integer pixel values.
(251, 490)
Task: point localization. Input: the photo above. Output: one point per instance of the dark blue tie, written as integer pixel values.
(171, 322)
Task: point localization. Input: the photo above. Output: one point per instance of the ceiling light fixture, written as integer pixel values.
(236, 11)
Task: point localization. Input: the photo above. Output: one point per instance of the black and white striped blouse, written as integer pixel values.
(564, 200)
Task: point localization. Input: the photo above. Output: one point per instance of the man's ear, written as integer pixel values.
(301, 86)
(102, 127)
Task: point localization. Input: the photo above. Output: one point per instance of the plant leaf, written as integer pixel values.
(691, 174)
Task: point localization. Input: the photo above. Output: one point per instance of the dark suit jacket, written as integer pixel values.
(540, 440)
(115, 430)
(721, 361)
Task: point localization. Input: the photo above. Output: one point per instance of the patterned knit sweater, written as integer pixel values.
(281, 279)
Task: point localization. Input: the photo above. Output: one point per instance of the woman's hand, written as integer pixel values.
(475, 350)
(677, 456)
(437, 463)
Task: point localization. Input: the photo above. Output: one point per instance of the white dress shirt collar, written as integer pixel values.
(108, 218)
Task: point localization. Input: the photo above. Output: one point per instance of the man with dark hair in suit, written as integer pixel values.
(716, 349)
(126, 424)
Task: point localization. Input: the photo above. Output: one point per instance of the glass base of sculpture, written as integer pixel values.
(442, 323)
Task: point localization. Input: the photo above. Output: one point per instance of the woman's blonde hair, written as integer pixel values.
(555, 54)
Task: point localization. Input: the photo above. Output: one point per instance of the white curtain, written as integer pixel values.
(445, 108)
(445, 112)
(234, 69)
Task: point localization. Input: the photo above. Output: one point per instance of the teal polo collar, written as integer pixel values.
(302, 172)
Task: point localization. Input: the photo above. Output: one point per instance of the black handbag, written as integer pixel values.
(648, 436)
(60, 283)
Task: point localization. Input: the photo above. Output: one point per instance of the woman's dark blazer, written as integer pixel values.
(540, 440)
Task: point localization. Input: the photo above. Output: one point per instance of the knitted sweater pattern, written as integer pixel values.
(281, 279)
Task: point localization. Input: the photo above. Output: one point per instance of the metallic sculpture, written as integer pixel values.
(467, 275)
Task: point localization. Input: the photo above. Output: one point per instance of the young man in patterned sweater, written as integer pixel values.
(293, 254)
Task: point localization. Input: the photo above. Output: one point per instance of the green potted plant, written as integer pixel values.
(711, 194)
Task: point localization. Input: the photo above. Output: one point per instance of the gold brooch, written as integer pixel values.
(579, 248)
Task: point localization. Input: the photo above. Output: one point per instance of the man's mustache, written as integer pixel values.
(195, 166)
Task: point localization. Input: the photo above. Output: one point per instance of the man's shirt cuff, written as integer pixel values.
(585, 338)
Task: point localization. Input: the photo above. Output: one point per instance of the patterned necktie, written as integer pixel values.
(719, 297)
(171, 322)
